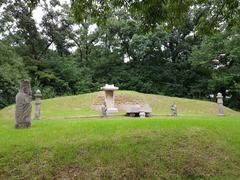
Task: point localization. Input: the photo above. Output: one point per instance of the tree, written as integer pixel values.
(20, 30)
(218, 59)
(11, 72)
(171, 13)
(57, 26)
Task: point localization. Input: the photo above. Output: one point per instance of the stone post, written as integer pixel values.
(104, 109)
(174, 109)
(23, 105)
(38, 96)
(220, 104)
(109, 97)
(142, 114)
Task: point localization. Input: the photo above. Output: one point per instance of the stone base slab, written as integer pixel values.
(112, 110)
(23, 125)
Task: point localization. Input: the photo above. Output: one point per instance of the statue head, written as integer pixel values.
(25, 87)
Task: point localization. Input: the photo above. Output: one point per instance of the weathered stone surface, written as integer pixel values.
(38, 96)
(104, 109)
(220, 104)
(109, 97)
(133, 109)
(139, 111)
(142, 114)
(174, 109)
(23, 105)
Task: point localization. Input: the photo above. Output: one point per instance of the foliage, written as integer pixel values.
(11, 72)
(65, 57)
(211, 14)
(218, 59)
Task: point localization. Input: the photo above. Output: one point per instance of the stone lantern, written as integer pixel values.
(220, 104)
(38, 96)
(109, 97)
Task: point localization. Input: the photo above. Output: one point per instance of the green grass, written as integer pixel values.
(193, 147)
(80, 105)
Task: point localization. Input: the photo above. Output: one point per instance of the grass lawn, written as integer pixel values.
(119, 147)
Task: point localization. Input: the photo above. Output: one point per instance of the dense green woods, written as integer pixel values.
(67, 53)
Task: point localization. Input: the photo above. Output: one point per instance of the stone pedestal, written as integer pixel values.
(38, 96)
(142, 114)
(109, 97)
(23, 105)
(220, 104)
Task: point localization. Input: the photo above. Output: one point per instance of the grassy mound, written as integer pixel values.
(195, 145)
(82, 105)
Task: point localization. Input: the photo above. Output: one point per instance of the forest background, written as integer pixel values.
(188, 50)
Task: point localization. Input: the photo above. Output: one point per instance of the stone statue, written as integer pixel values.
(220, 104)
(104, 109)
(38, 96)
(23, 105)
(174, 109)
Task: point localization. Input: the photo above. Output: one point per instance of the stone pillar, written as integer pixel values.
(23, 105)
(142, 114)
(109, 97)
(38, 96)
(220, 104)
(174, 109)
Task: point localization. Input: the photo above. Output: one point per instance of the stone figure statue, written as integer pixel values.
(104, 109)
(174, 109)
(23, 105)
(220, 104)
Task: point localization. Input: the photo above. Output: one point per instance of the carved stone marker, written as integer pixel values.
(23, 105)
(109, 97)
(174, 109)
(136, 110)
(104, 109)
(38, 96)
(220, 104)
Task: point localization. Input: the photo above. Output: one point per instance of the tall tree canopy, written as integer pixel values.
(218, 58)
(11, 72)
(152, 46)
(211, 14)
